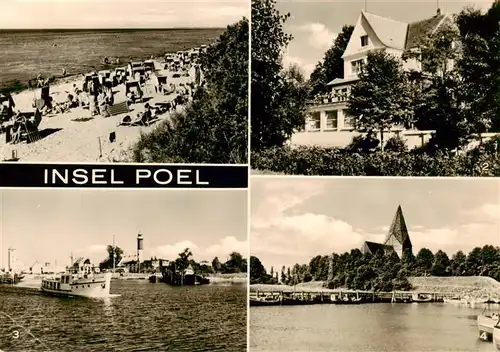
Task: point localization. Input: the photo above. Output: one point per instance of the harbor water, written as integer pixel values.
(141, 317)
(381, 327)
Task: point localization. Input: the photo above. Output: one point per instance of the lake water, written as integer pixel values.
(26, 53)
(145, 317)
(371, 327)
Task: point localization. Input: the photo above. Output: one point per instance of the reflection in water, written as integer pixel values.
(370, 327)
(142, 317)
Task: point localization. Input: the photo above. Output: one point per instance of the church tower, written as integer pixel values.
(398, 236)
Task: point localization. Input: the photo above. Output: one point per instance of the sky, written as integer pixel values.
(315, 24)
(28, 14)
(294, 219)
(49, 225)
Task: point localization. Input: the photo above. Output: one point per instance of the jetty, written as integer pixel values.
(261, 298)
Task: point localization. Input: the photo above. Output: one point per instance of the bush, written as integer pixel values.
(396, 144)
(340, 162)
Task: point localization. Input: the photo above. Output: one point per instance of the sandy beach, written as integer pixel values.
(76, 136)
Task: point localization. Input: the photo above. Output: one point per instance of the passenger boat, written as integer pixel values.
(485, 325)
(496, 336)
(82, 279)
(265, 301)
(421, 298)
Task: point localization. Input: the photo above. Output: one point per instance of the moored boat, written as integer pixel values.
(82, 279)
(265, 301)
(486, 323)
(421, 298)
(496, 336)
(455, 300)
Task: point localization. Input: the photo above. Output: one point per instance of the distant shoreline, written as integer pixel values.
(56, 30)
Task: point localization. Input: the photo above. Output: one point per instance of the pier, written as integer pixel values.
(259, 298)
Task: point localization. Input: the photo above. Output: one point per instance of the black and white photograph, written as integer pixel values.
(113, 270)
(124, 81)
(374, 264)
(375, 88)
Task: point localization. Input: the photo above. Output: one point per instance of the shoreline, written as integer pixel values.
(475, 288)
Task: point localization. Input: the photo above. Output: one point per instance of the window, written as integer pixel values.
(356, 66)
(315, 120)
(331, 119)
(349, 120)
(364, 40)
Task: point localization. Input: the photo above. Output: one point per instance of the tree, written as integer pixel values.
(257, 271)
(214, 127)
(479, 65)
(458, 263)
(332, 65)
(381, 98)
(438, 98)
(235, 263)
(441, 265)
(183, 260)
(283, 275)
(276, 110)
(113, 252)
(424, 261)
(216, 265)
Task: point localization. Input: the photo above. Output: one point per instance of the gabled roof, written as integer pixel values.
(420, 30)
(398, 230)
(374, 247)
(400, 35)
(390, 32)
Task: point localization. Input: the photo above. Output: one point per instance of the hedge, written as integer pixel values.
(340, 162)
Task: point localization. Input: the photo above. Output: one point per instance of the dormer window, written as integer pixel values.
(364, 40)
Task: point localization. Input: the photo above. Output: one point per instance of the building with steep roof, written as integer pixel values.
(328, 117)
(397, 239)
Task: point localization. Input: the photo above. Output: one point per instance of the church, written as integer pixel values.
(397, 239)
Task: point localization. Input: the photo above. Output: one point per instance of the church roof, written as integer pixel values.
(398, 230)
(374, 247)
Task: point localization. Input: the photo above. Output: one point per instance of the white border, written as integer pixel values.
(249, 168)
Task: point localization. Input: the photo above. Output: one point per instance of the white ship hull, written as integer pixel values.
(92, 286)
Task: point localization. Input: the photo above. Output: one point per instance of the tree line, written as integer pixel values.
(382, 271)
(236, 263)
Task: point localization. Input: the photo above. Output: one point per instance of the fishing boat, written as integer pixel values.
(485, 324)
(82, 279)
(265, 301)
(421, 298)
(496, 336)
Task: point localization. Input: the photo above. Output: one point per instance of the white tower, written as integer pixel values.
(140, 248)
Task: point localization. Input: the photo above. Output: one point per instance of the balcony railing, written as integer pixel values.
(330, 98)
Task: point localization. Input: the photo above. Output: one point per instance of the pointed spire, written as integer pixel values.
(398, 231)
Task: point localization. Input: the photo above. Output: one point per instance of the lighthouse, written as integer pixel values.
(140, 248)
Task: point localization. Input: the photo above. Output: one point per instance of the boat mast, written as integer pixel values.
(113, 253)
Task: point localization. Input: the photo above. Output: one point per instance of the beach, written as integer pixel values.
(75, 135)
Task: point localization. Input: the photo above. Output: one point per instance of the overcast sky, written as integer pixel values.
(49, 225)
(315, 24)
(295, 219)
(120, 13)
